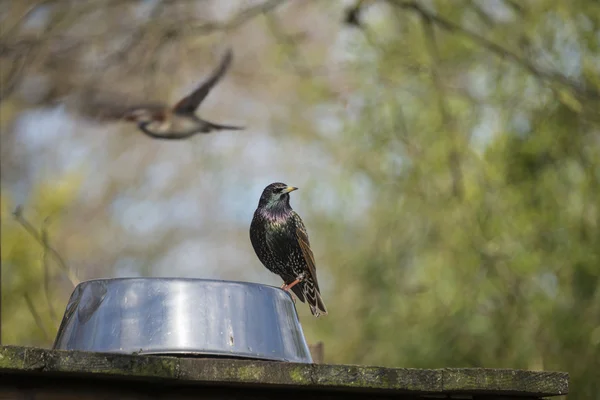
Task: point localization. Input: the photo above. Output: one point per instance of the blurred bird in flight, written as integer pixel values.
(161, 121)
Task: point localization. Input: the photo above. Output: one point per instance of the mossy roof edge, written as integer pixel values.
(17, 359)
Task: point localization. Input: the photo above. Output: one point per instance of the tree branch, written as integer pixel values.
(290, 47)
(22, 18)
(9, 83)
(46, 245)
(28, 52)
(448, 122)
(497, 49)
(485, 17)
(36, 316)
(237, 21)
(18, 214)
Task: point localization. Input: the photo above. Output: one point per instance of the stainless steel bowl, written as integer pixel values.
(183, 317)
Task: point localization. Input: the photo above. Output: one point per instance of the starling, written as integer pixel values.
(160, 121)
(281, 243)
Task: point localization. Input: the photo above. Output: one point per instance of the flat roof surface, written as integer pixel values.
(264, 374)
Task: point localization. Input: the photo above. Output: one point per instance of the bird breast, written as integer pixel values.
(274, 218)
(184, 124)
(160, 126)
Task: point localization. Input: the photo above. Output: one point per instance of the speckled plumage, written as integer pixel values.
(281, 243)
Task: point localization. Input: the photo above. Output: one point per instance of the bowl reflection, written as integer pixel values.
(183, 317)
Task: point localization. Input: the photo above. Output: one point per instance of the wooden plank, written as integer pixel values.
(505, 381)
(310, 375)
(254, 373)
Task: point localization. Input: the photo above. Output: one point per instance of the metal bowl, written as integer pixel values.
(183, 317)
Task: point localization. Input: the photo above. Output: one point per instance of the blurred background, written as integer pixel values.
(447, 154)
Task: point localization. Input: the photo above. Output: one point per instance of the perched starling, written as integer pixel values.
(281, 243)
(160, 121)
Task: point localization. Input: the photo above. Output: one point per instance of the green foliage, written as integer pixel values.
(470, 141)
(505, 272)
(26, 264)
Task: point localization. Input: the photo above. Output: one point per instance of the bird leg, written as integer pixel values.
(288, 292)
(299, 279)
(291, 285)
(287, 287)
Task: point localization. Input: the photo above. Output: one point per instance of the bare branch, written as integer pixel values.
(19, 21)
(174, 28)
(291, 49)
(448, 122)
(516, 6)
(497, 49)
(36, 316)
(18, 214)
(485, 17)
(15, 73)
(56, 43)
(138, 35)
(251, 12)
(404, 135)
(30, 53)
(46, 245)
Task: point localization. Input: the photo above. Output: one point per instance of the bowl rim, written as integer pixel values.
(168, 278)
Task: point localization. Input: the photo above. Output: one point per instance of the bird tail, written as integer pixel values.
(313, 298)
(299, 292)
(220, 127)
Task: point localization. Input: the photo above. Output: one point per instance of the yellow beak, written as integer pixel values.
(289, 189)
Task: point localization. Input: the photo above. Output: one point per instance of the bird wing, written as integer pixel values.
(112, 111)
(104, 105)
(190, 103)
(303, 242)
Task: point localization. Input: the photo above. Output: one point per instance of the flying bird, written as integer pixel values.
(280, 241)
(161, 121)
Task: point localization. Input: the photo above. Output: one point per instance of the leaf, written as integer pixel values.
(569, 100)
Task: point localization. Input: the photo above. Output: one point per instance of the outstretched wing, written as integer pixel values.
(190, 103)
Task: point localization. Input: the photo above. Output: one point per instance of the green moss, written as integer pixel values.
(12, 358)
(163, 367)
(252, 373)
(297, 375)
(43, 361)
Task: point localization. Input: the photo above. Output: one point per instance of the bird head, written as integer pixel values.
(276, 195)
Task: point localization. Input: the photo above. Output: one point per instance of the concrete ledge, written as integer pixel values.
(265, 374)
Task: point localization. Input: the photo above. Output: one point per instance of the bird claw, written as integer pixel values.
(286, 289)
